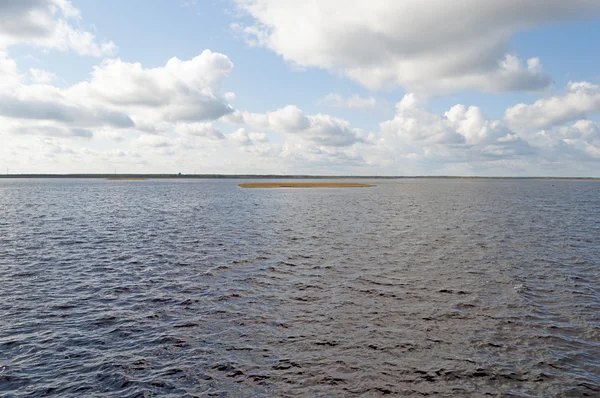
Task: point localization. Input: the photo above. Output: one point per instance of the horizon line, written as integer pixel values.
(290, 176)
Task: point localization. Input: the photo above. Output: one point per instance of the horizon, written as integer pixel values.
(282, 176)
(259, 87)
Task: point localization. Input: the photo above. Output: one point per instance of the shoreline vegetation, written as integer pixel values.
(274, 176)
(304, 185)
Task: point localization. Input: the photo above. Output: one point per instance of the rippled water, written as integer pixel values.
(201, 288)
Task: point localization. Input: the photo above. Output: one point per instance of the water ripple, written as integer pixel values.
(199, 288)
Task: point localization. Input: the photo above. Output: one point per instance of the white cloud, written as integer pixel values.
(318, 129)
(446, 45)
(353, 102)
(464, 136)
(9, 73)
(42, 129)
(240, 137)
(579, 141)
(41, 102)
(244, 138)
(42, 76)
(461, 134)
(47, 24)
(179, 91)
(119, 97)
(153, 141)
(472, 124)
(48, 103)
(321, 157)
(151, 118)
(206, 130)
(586, 129)
(579, 100)
(109, 135)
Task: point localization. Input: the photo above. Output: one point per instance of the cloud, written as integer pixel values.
(9, 73)
(47, 24)
(48, 103)
(44, 102)
(318, 129)
(579, 100)
(119, 97)
(296, 156)
(448, 45)
(462, 134)
(328, 156)
(137, 115)
(42, 129)
(153, 141)
(240, 137)
(353, 102)
(179, 91)
(465, 141)
(109, 135)
(42, 76)
(579, 141)
(244, 138)
(206, 130)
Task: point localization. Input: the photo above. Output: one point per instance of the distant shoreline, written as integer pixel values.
(271, 176)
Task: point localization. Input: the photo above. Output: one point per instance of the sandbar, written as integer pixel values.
(304, 185)
(126, 179)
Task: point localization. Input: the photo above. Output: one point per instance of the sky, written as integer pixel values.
(321, 87)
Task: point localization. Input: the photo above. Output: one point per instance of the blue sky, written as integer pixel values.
(386, 88)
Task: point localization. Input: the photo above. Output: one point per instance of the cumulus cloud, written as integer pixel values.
(353, 102)
(461, 134)
(321, 157)
(49, 103)
(142, 113)
(181, 90)
(42, 102)
(153, 141)
(297, 156)
(42, 76)
(206, 130)
(109, 135)
(118, 95)
(464, 140)
(48, 24)
(245, 138)
(9, 73)
(239, 138)
(318, 129)
(42, 129)
(579, 100)
(579, 141)
(447, 45)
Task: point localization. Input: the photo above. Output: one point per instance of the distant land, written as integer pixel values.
(275, 176)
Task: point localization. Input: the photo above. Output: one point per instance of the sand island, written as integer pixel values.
(304, 185)
(126, 179)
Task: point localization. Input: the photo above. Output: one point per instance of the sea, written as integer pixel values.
(200, 288)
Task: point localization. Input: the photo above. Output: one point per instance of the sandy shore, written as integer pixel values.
(126, 179)
(304, 185)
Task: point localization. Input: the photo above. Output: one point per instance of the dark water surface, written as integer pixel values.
(200, 288)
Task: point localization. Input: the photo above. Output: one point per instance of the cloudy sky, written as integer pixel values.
(365, 87)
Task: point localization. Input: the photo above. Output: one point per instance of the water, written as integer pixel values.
(201, 288)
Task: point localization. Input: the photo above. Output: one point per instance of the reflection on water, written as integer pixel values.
(194, 288)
